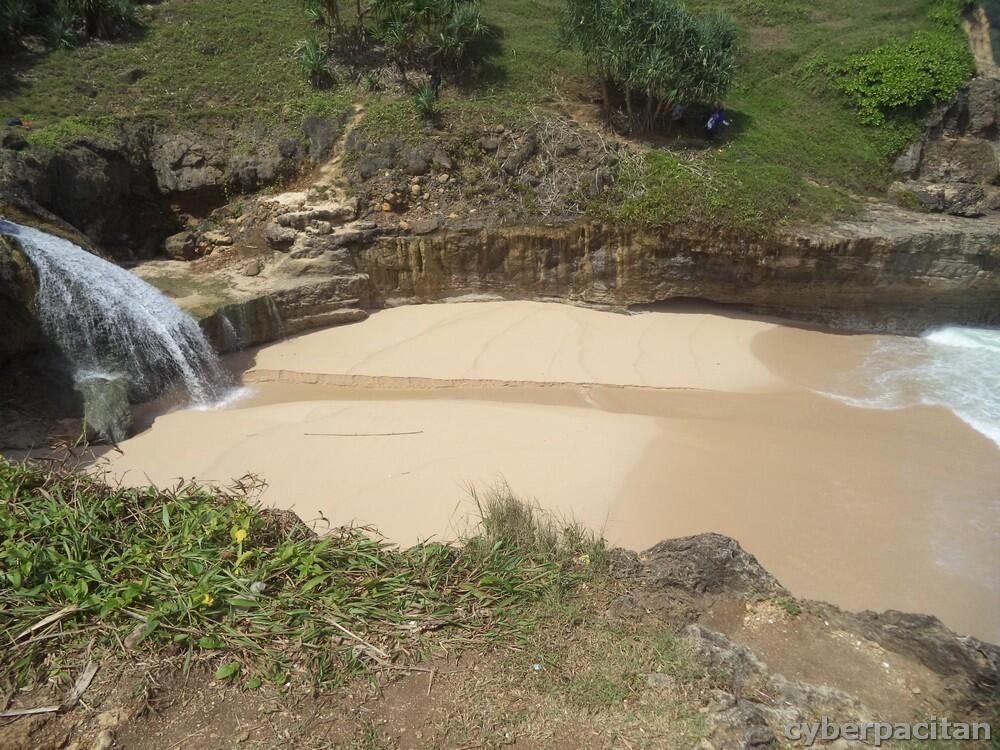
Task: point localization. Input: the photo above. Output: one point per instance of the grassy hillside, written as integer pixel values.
(796, 151)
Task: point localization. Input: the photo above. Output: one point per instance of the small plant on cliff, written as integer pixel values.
(425, 100)
(652, 54)
(313, 58)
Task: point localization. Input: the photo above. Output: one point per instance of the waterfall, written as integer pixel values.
(108, 322)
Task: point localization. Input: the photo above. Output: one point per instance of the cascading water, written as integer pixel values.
(106, 321)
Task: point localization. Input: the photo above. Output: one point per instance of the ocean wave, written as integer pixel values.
(954, 367)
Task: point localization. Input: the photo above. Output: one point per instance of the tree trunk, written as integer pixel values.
(605, 92)
(628, 107)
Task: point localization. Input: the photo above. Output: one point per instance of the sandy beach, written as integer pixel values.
(643, 426)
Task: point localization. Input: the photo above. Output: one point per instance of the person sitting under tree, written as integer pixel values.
(716, 122)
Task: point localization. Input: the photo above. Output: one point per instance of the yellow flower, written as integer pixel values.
(207, 600)
(239, 535)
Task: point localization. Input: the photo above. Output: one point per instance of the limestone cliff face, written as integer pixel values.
(894, 271)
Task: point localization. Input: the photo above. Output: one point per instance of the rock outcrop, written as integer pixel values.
(891, 271)
(743, 628)
(955, 167)
(126, 192)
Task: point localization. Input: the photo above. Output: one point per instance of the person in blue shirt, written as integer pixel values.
(716, 122)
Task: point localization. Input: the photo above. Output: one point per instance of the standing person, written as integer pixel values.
(716, 122)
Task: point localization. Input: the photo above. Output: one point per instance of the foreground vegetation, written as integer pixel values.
(825, 92)
(211, 575)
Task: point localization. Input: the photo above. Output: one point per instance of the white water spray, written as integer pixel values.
(954, 367)
(106, 321)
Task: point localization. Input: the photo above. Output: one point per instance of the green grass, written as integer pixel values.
(203, 59)
(797, 151)
(210, 575)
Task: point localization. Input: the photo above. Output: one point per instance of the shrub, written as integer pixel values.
(654, 52)
(67, 22)
(313, 57)
(425, 99)
(445, 33)
(924, 70)
(949, 12)
(15, 15)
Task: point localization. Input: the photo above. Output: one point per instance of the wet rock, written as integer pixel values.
(19, 328)
(107, 413)
(180, 246)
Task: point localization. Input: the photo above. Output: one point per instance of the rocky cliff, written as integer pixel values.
(892, 271)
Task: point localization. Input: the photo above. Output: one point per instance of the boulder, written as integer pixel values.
(322, 134)
(132, 75)
(970, 160)
(736, 724)
(707, 564)
(13, 140)
(279, 237)
(180, 246)
(983, 105)
(185, 163)
(957, 199)
(442, 161)
(217, 237)
(416, 164)
(489, 145)
(907, 165)
(107, 414)
(521, 156)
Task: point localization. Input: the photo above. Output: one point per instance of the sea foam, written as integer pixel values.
(954, 367)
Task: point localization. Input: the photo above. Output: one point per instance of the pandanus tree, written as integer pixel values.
(67, 22)
(432, 32)
(653, 54)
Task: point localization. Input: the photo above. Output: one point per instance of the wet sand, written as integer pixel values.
(645, 427)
